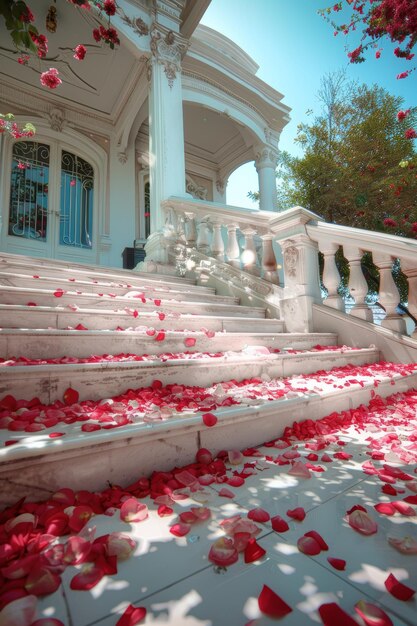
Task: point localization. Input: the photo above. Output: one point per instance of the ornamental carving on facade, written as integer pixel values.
(122, 156)
(266, 157)
(195, 190)
(56, 118)
(136, 24)
(291, 255)
(221, 185)
(168, 48)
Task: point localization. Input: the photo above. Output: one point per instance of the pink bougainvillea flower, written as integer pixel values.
(410, 133)
(372, 615)
(209, 419)
(279, 524)
(71, 396)
(132, 616)
(297, 514)
(331, 614)
(339, 564)
(180, 530)
(133, 511)
(271, 604)
(223, 552)
(189, 342)
(406, 545)
(401, 115)
(87, 578)
(398, 589)
(50, 78)
(359, 520)
(253, 551)
(259, 515)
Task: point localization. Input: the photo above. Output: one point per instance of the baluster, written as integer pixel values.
(190, 230)
(388, 293)
(217, 244)
(181, 228)
(409, 268)
(232, 250)
(269, 262)
(331, 276)
(249, 257)
(203, 239)
(358, 286)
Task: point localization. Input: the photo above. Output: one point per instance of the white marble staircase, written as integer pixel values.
(190, 336)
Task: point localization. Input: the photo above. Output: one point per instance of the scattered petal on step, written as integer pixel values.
(132, 616)
(271, 604)
(223, 552)
(209, 419)
(398, 589)
(372, 615)
(253, 551)
(297, 513)
(406, 545)
(332, 615)
(339, 564)
(360, 521)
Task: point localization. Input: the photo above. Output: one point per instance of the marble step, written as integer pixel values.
(37, 465)
(46, 297)
(20, 316)
(42, 343)
(102, 380)
(98, 287)
(56, 267)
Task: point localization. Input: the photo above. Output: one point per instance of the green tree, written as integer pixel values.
(358, 168)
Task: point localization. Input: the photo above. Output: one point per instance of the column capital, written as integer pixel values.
(265, 156)
(167, 49)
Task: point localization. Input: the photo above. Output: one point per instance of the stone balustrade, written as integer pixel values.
(249, 239)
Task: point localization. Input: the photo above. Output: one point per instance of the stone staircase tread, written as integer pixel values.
(33, 262)
(71, 297)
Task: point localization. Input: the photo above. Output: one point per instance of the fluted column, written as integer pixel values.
(389, 296)
(358, 286)
(331, 276)
(266, 163)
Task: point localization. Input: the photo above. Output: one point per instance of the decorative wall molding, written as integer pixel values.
(198, 192)
(56, 118)
(137, 24)
(122, 157)
(168, 49)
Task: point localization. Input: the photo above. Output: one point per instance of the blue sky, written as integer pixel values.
(295, 48)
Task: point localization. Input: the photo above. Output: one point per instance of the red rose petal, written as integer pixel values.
(297, 514)
(259, 515)
(164, 510)
(133, 511)
(180, 530)
(47, 621)
(89, 576)
(385, 508)
(132, 616)
(271, 604)
(372, 615)
(253, 551)
(397, 589)
(339, 564)
(361, 522)
(71, 396)
(209, 419)
(403, 508)
(332, 615)
(160, 336)
(223, 552)
(279, 524)
(308, 545)
(189, 342)
(59, 293)
(226, 493)
(55, 435)
(315, 535)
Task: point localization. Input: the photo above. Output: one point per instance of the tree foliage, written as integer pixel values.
(358, 167)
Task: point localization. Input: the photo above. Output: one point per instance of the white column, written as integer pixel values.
(265, 163)
(388, 293)
(358, 286)
(166, 130)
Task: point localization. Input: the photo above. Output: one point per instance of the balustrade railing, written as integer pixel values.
(248, 240)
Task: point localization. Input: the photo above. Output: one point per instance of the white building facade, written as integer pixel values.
(172, 111)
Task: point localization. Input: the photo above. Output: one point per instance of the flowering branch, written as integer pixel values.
(8, 125)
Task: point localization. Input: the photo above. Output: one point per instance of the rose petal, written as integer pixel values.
(271, 604)
(332, 615)
(385, 508)
(297, 514)
(48, 621)
(406, 545)
(20, 612)
(132, 616)
(362, 522)
(88, 577)
(189, 342)
(259, 515)
(223, 552)
(180, 530)
(71, 396)
(372, 615)
(308, 545)
(300, 470)
(315, 535)
(279, 524)
(209, 419)
(133, 511)
(403, 508)
(397, 589)
(253, 551)
(226, 493)
(339, 564)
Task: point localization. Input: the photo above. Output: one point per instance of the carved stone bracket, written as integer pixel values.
(136, 24)
(221, 185)
(122, 156)
(56, 118)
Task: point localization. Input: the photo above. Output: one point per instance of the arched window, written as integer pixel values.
(77, 189)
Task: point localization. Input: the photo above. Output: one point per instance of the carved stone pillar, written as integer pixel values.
(249, 253)
(217, 244)
(358, 286)
(166, 132)
(331, 276)
(388, 293)
(232, 250)
(269, 262)
(203, 239)
(266, 163)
